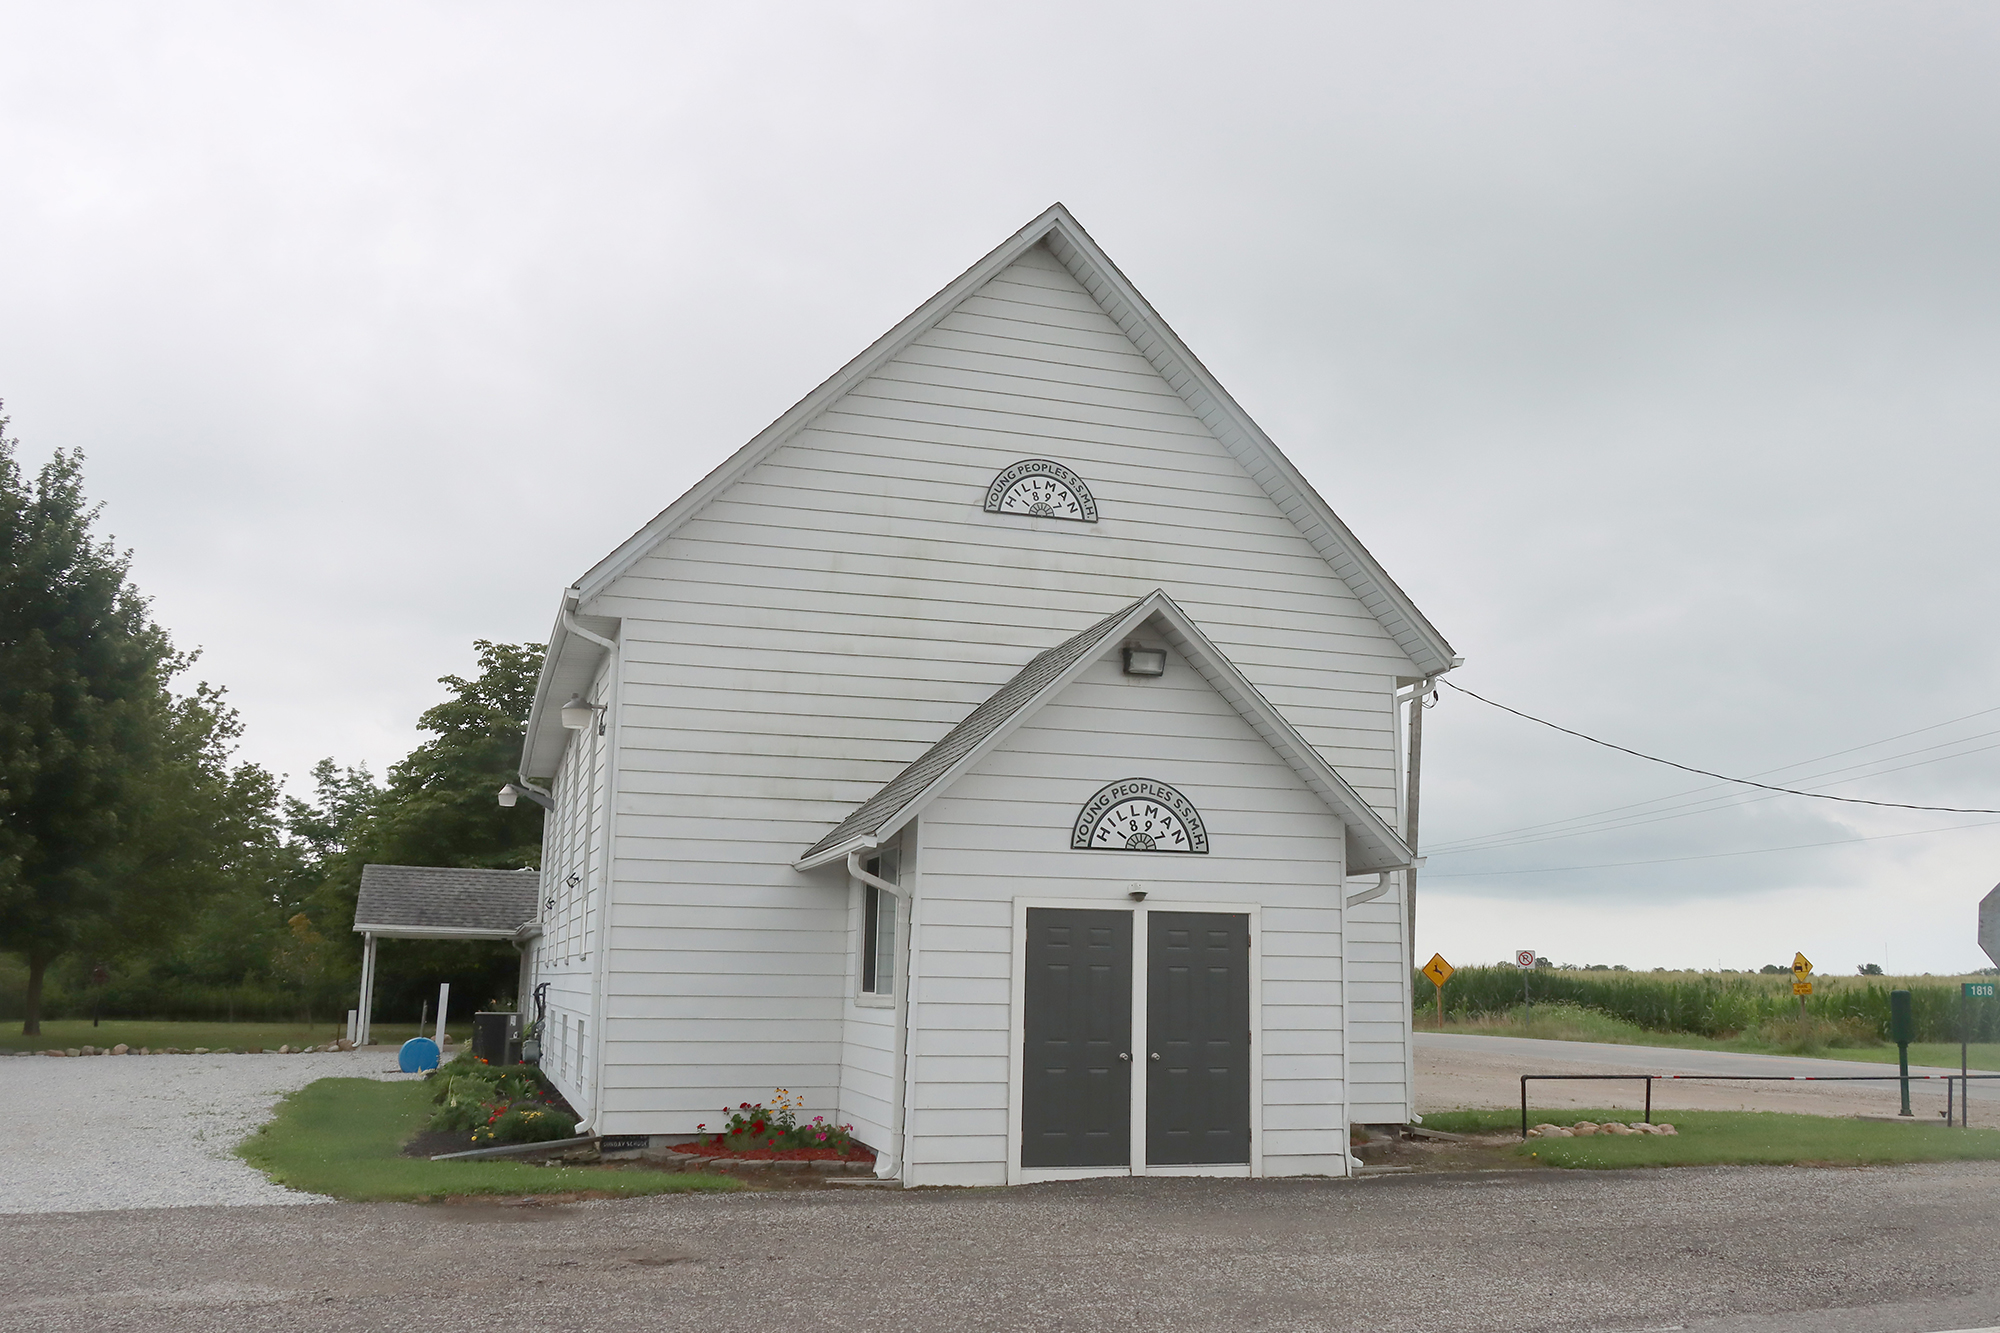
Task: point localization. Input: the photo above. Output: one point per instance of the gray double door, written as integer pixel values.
(1078, 1063)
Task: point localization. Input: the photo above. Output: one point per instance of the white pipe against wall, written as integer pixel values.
(444, 998)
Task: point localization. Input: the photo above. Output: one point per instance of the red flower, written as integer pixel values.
(757, 1128)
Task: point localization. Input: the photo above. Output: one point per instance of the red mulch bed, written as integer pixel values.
(713, 1149)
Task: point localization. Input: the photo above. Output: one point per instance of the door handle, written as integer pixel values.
(1156, 1055)
(1126, 1056)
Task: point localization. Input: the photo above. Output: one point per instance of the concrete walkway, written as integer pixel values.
(1456, 1071)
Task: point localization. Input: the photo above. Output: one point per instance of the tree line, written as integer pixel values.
(145, 871)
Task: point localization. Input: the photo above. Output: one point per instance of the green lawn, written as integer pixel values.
(63, 1033)
(1711, 1138)
(344, 1137)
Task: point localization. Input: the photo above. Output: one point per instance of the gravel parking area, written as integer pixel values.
(1763, 1250)
(151, 1131)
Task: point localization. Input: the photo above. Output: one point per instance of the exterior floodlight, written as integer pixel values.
(511, 794)
(578, 715)
(1145, 661)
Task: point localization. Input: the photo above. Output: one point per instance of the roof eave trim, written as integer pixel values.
(1426, 635)
(839, 852)
(437, 932)
(634, 548)
(895, 820)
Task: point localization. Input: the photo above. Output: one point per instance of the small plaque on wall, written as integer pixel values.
(1139, 815)
(1037, 488)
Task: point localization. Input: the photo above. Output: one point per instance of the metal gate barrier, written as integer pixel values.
(1947, 1079)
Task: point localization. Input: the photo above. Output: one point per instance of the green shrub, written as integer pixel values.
(471, 1094)
(525, 1122)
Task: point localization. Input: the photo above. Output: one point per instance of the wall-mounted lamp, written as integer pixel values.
(578, 713)
(1145, 661)
(512, 792)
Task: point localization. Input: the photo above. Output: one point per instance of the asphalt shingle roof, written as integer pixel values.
(446, 898)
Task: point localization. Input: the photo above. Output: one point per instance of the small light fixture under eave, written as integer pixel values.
(578, 714)
(1145, 661)
(509, 796)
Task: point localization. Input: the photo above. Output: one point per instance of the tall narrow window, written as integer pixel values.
(878, 928)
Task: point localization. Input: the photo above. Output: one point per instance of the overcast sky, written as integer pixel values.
(1652, 348)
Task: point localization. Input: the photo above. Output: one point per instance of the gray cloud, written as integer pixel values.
(1651, 348)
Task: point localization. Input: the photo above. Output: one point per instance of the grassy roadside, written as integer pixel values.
(1718, 1138)
(1566, 1022)
(62, 1033)
(344, 1137)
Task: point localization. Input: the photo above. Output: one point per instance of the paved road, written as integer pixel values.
(1883, 1250)
(1456, 1070)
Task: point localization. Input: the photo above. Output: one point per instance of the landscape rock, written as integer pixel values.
(201, 1050)
(1583, 1129)
(1614, 1128)
(121, 1049)
(73, 1051)
(285, 1049)
(51, 1052)
(1664, 1128)
(343, 1045)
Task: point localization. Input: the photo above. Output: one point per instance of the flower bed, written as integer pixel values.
(714, 1148)
(756, 1132)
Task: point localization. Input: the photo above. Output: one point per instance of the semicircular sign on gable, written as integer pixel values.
(1139, 815)
(1037, 488)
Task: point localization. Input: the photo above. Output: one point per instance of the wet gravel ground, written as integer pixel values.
(1719, 1250)
(150, 1131)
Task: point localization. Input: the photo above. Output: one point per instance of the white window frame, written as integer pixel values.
(868, 895)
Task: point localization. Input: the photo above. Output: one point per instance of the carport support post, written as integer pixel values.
(367, 987)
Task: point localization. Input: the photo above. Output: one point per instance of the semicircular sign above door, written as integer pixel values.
(1139, 815)
(1037, 488)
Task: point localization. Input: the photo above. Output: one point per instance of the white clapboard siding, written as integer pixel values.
(1378, 990)
(828, 616)
(1002, 830)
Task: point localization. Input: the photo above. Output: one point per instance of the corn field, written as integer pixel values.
(1712, 1005)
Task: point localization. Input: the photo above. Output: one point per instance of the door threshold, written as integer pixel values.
(1238, 1169)
(1035, 1175)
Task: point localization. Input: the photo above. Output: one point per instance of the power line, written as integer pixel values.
(1705, 856)
(1723, 777)
(1707, 805)
(1696, 791)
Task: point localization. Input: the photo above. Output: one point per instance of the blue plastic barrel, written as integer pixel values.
(417, 1055)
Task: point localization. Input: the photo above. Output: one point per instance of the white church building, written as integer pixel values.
(1001, 752)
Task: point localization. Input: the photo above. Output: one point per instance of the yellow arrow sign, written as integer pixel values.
(1438, 970)
(1801, 965)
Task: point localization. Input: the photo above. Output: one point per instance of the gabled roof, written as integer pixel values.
(1182, 370)
(1372, 845)
(445, 902)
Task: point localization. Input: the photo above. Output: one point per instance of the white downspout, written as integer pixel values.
(905, 1037)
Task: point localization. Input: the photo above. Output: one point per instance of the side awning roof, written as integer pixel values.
(1372, 845)
(446, 902)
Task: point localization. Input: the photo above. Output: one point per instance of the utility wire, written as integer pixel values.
(1705, 806)
(1696, 791)
(1723, 777)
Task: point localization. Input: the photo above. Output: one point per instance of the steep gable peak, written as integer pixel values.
(1057, 238)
